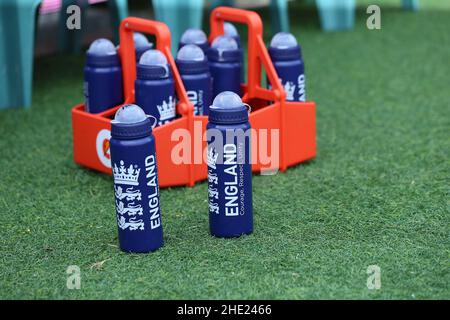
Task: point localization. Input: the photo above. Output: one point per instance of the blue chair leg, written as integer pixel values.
(17, 25)
(336, 14)
(218, 3)
(179, 15)
(411, 5)
(118, 10)
(279, 18)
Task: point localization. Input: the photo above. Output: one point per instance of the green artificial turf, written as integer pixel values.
(376, 194)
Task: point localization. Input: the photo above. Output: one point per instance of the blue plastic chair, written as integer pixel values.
(340, 14)
(279, 17)
(411, 5)
(17, 31)
(17, 26)
(179, 15)
(118, 9)
(336, 14)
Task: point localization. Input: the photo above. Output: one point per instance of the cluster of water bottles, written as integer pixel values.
(212, 76)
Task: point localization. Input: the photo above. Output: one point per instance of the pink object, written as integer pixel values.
(51, 6)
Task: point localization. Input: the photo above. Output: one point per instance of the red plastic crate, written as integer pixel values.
(295, 121)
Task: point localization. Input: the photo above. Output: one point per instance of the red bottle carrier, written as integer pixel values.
(292, 123)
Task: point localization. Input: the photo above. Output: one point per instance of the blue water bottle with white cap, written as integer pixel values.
(225, 65)
(194, 36)
(155, 87)
(287, 59)
(103, 88)
(136, 188)
(230, 30)
(194, 71)
(229, 167)
(141, 44)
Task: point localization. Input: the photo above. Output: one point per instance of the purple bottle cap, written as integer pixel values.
(230, 30)
(141, 44)
(140, 40)
(283, 40)
(102, 53)
(284, 46)
(191, 60)
(130, 122)
(102, 47)
(153, 64)
(191, 52)
(193, 36)
(224, 43)
(224, 48)
(153, 57)
(130, 113)
(226, 100)
(228, 108)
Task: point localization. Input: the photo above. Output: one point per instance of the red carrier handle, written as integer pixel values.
(257, 52)
(128, 56)
(257, 56)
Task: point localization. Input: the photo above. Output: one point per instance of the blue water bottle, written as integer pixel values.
(229, 167)
(194, 36)
(230, 30)
(225, 65)
(103, 88)
(135, 173)
(287, 59)
(154, 87)
(141, 44)
(194, 70)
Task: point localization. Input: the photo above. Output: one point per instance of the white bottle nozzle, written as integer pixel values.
(193, 36)
(227, 99)
(140, 40)
(230, 30)
(224, 43)
(191, 52)
(130, 113)
(102, 47)
(153, 57)
(283, 40)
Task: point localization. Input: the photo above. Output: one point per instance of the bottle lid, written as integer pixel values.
(153, 65)
(102, 53)
(130, 122)
(191, 59)
(194, 36)
(141, 44)
(228, 108)
(224, 48)
(284, 46)
(230, 30)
